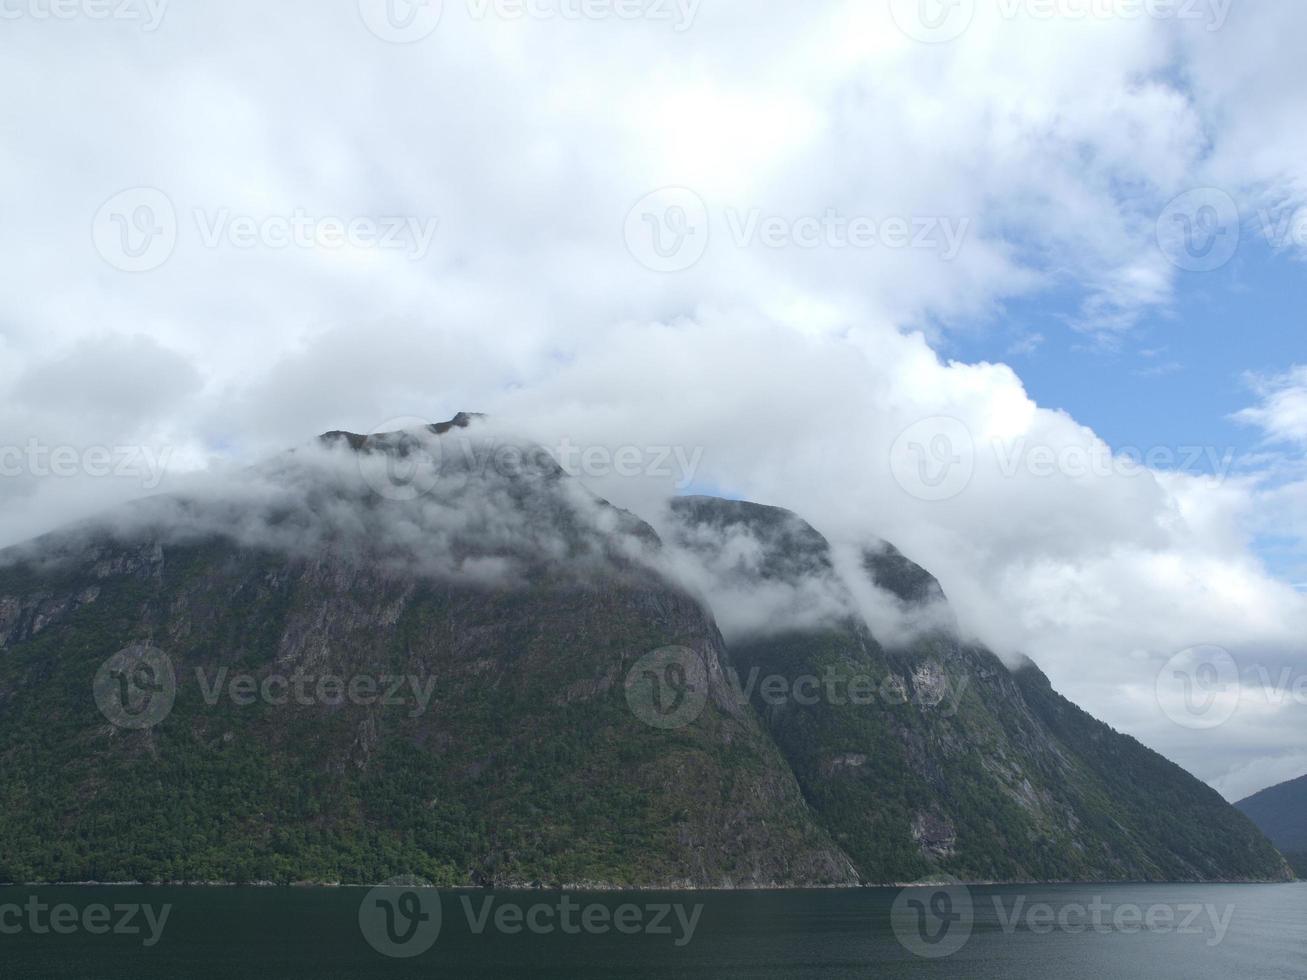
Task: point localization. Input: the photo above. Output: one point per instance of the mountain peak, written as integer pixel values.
(1279, 812)
(380, 440)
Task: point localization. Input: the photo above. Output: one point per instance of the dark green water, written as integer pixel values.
(1249, 932)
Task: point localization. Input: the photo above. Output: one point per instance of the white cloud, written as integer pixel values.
(1282, 412)
(1056, 145)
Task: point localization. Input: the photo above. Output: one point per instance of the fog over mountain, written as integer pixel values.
(564, 704)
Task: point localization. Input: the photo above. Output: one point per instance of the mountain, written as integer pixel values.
(956, 764)
(435, 653)
(1281, 813)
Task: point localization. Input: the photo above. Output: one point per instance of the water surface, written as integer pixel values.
(1186, 932)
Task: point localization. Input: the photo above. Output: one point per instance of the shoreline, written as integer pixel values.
(594, 888)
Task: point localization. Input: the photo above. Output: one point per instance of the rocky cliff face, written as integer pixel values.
(435, 654)
(926, 754)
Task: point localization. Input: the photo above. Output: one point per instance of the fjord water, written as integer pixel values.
(316, 933)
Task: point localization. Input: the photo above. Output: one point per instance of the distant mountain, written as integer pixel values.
(1281, 813)
(435, 653)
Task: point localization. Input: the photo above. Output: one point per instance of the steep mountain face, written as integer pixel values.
(1281, 813)
(927, 754)
(502, 586)
(434, 653)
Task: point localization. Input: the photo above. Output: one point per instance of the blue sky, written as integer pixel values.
(1176, 378)
(1179, 374)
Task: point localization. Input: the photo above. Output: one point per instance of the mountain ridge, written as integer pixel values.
(1281, 813)
(551, 627)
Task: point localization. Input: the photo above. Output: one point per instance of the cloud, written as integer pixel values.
(761, 571)
(789, 366)
(473, 505)
(126, 381)
(1282, 411)
(1099, 568)
(1026, 345)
